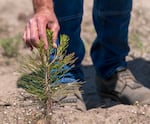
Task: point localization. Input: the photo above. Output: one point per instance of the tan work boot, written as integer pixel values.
(124, 87)
(72, 100)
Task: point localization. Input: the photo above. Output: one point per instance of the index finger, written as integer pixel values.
(42, 33)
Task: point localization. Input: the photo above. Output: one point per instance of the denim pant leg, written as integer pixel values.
(69, 15)
(111, 20)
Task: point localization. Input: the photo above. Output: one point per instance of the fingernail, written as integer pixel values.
(54, 45)
(45, 47)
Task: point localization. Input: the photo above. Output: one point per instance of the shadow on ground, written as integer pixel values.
(140, 69)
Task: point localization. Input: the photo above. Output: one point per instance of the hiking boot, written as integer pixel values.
(72, 82)
(72, 99)
(124, 87)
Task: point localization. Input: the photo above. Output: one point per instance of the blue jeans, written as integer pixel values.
(111, 20)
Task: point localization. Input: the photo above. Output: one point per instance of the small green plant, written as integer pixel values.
(10, 46)
(44, 74)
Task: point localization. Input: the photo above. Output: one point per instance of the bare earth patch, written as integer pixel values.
(19, 107)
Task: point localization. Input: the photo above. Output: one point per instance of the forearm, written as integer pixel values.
(42, 5)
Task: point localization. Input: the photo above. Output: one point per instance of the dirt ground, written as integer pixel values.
(18, 107)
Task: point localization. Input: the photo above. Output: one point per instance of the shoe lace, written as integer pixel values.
(128, 78)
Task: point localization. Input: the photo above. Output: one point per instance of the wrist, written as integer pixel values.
(43, 5)
(44, 9)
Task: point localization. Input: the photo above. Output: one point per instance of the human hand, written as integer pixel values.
(36, 29)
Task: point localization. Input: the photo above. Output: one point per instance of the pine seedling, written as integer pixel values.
(45, 72)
